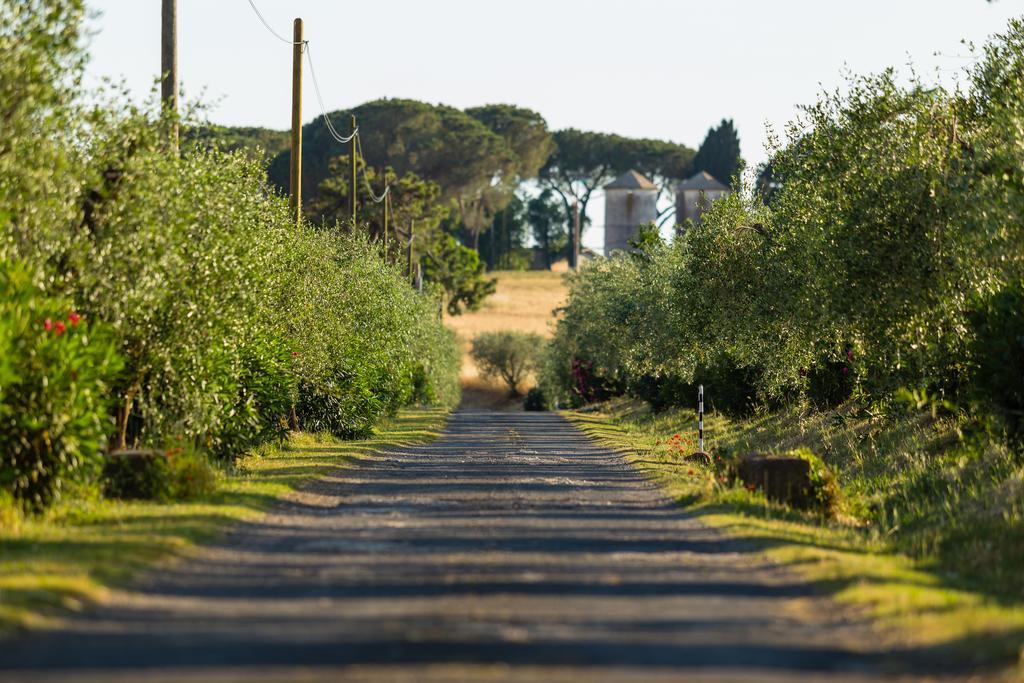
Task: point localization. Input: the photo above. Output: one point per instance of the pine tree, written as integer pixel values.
(719, 154)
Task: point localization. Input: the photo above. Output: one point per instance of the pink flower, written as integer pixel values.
(846, 371)
(849, 355)
(74, 318)
(48, 325)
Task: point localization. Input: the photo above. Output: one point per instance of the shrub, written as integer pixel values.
(136, 475)
(179, 473)
(825, 496)
(536, 400)
(56, 369)
(191, 478)
(507, 355)
(998, 354)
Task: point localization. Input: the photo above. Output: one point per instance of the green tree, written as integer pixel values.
(503, 245)
(583, 162)
(437, 143)
(260, 144)
(548, 225)
(719, 154)
(459, 271)
(508, 355)
(412, 199)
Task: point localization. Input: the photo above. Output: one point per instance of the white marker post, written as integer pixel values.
(700, 418)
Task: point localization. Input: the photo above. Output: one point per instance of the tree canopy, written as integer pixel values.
(719, 154)
(584, 161)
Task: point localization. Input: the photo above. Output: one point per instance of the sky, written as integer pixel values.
(666, 69)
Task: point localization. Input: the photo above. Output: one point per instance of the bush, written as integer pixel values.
(136, 475)
(825, 496)
(507, 355)
(176, 474)
(998, 354)
(55, 375)
(536, 400)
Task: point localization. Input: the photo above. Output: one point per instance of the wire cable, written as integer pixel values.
(323, 110)
(387, 188)
(268, 27)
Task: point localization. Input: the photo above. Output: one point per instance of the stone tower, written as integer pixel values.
(695, 195)
(629, 201)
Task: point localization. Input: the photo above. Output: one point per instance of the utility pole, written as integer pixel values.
(412, 233)
(574, 260)
(169, 65)
(353, 192)
(295, 187)
(384, 224)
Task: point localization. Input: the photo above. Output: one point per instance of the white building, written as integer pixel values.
(695, 196)
(629, 201)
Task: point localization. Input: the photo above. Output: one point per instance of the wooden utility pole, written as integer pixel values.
(412, 233)
(384, 224)
(169, 65)
(352, 175)
(575, 256)
(295, 186)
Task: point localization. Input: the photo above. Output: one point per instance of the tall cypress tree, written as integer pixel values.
(719, 154)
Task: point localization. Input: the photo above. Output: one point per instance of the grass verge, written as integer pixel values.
(73, 554)
(916, 600)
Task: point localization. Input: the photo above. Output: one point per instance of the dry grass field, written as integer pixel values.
(524, 300)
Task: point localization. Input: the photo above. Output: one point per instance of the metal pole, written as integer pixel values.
(352, 174)
(700, 418)
(169, 64)
(295, 185)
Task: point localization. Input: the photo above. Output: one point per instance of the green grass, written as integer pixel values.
(76, 552)
(919, 575)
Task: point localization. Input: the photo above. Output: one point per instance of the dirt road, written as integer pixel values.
(512, 548)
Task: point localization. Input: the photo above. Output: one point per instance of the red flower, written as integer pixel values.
(74, 318)
(59, 328)
(48, 325)
(691, 473)
(294, 354)
(846, 371)
(849, 355)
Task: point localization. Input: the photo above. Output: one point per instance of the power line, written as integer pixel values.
(268, 27)
(387, 188)
(323, 110)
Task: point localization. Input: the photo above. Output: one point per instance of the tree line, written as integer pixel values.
(493, 178)
(163, 300)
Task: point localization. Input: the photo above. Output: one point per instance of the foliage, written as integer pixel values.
(825, 494)
(459, 271)
(56, 369)
(503, 245)
(507, 355)
(259, 144)
(536, 400)
(232, 322)
(719, 154)
(437, 143)
(998, 353)
(896, 217)
(412, 200)
(583, 162)
(548, 224)
(136, 475)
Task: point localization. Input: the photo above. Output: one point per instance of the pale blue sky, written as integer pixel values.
(659, 68)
